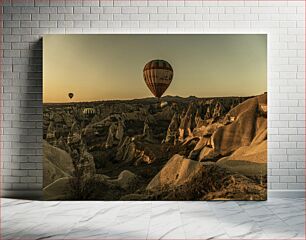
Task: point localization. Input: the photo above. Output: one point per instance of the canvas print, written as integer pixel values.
(155, 117)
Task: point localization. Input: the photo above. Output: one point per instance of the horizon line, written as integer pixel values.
(173, 96)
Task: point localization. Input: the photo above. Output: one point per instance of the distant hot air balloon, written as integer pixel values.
(70, 95)
(89, 112)
(158, 75)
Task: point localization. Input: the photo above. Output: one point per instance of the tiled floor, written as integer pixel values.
(273, 219)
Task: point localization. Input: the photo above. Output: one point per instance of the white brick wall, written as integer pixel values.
(26, 21)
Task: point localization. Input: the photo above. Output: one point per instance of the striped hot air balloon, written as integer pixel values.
(158, 75)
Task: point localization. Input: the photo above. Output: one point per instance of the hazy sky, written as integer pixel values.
(101, 67)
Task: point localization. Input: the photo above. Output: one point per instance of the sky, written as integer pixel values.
(107, 67)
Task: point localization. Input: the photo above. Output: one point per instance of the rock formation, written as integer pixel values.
(110, 141)
(74, 137)
(57, 163)
(126, 180)
(241, 132)
(188, 149)
(51, 133)
(172, 131)
(87, 164)
(120, 131)
(177, 171)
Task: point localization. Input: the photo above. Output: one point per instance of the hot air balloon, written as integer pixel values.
(70, 95)
(89, 112)
(158, 75)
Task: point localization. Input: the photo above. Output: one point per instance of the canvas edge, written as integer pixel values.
(38, 194)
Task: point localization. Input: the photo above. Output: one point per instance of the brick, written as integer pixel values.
(11, 179)
(166, 10)
(185, 24)
(62, 10)
(222, 24)
(176, 17)
(111, 10)
(21, 17)
(81, 9)
(40, 31)
(230, 3)
(11, 9)
(230, 17)
(176, 3)
(91, 16)
(273, 165)
(287, 165)
(242, 10)
(167, 24)
(60, 3)
(129, 10)
(296, 186)
(130, 24)
(11, 53)
(202, 10)
(138, 3)
(98, 24)
(28, 179)
(30, 10)
(65, 24)
(161, 17)
(268, 10)
(11, 24)
(74, 3)
(76, 16)
(120, 17)
(26, 3)
(147, 9)
(288, 179)
(277, 186)
(148, 24)
(6, 172)
(300, 165)
(196, 3)
(92, 3)
(56, 17)
(280, 172)
(265, 24)
(42, 3)
(185, 10)
(19, 173)
(296, 158)
(296, 172)
(300, 179)
(190, 17)
(20, 46)
(40, 16)
(157, 3)
(297, 124)
(287, 145)
(273, 179)
(82, 24)
(296, 151)
(287, 131)
(140, 17)
(300, 116)
(49, 10)
(36, 173)
(105, 17)
(96, 10)
(21, 31)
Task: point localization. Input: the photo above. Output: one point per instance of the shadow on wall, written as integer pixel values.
(30, 155)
